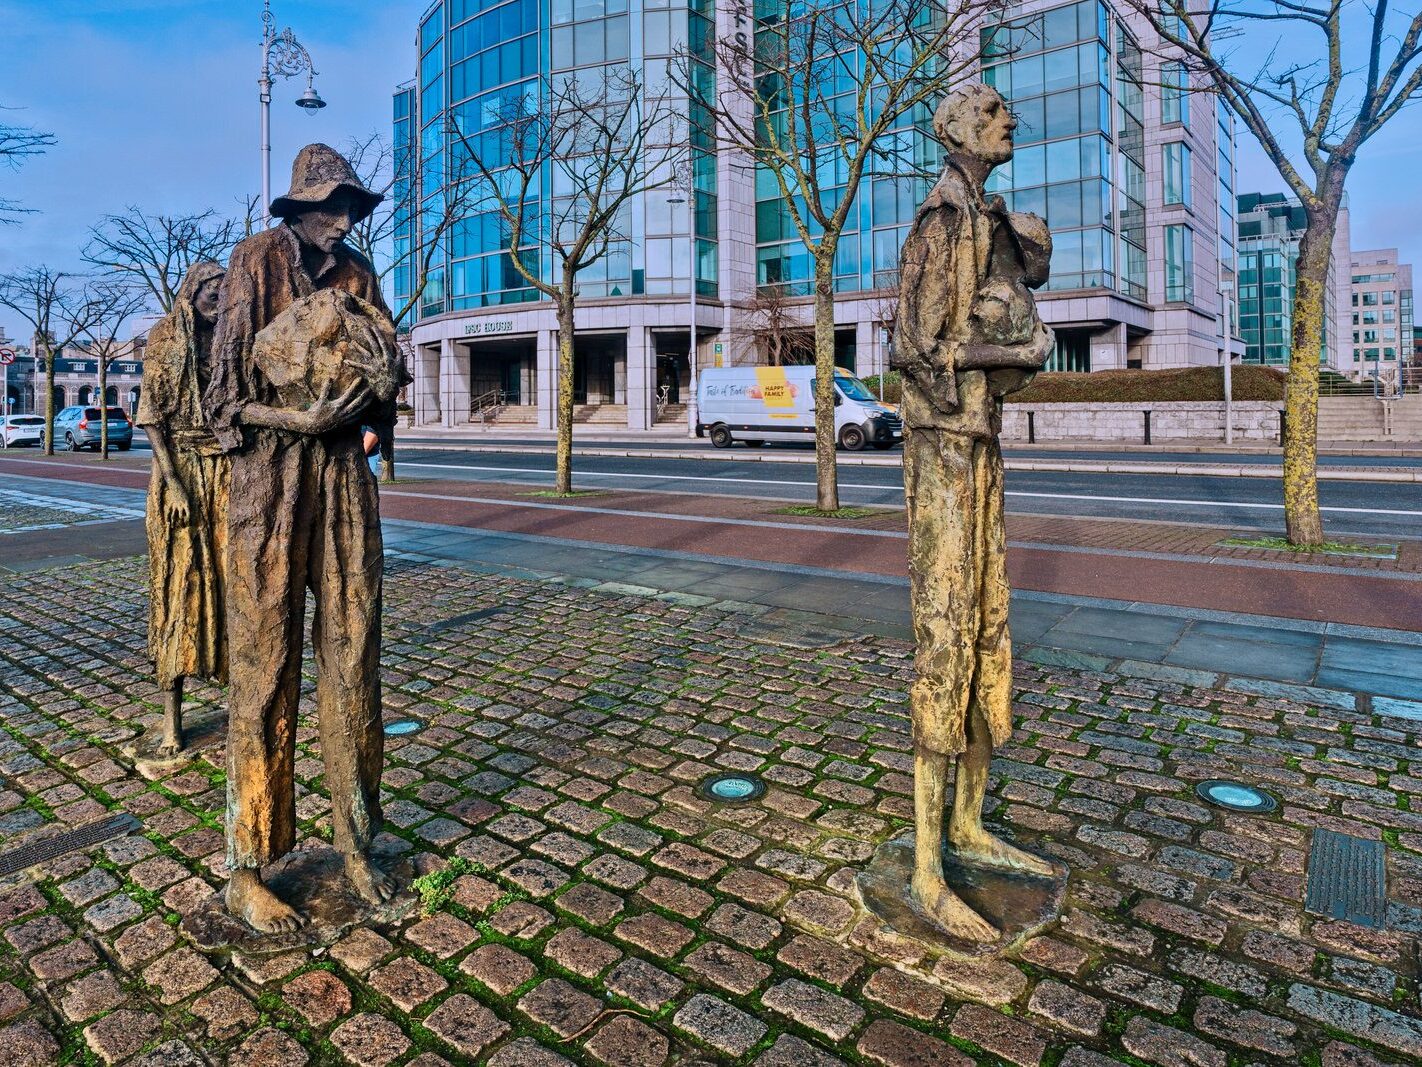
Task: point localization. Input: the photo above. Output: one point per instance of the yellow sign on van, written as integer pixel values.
(775, 390)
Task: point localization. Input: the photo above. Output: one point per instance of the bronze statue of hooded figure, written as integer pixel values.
(187, 500)
(304, 516)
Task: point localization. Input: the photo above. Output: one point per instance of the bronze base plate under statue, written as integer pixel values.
(201, 733)
(313, 881)
(1018, 904)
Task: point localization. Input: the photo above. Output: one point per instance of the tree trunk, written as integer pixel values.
(1303, 522)
(564, 412)
(826, 475)
(48, 401)
(103, 406)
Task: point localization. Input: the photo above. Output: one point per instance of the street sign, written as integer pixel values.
(7, 356)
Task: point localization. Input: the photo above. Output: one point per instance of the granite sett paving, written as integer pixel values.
(606, 914)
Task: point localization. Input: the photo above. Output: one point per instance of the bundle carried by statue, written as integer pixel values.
(1007, 332)
(326, 343)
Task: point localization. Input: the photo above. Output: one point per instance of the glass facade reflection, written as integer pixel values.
(1073, 77)
(482, 60)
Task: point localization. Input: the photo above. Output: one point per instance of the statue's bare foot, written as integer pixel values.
(256, 905)
(373, 884)
(947, 909)
(171, 745)
(979, 846)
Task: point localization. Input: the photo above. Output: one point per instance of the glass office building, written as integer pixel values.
(1132, 170)
(1270, 228)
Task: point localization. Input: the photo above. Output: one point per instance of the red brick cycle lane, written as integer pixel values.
(1152, 563)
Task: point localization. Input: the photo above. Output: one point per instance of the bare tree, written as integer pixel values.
(775, 320)
(57, 308)
(607, 138)
(98, 317)
(155, 252)
(1312, 107)
(18, 143)
(821, 96)
(385, 236)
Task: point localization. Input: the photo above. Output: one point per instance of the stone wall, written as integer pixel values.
(1169, 421)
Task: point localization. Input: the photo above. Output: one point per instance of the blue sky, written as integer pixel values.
(154, 104)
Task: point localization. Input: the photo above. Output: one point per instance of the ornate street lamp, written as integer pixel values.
(684, 192)
(283, 56)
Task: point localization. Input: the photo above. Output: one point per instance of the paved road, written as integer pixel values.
(1356, 509)
(1135, 455)
(1359, 509)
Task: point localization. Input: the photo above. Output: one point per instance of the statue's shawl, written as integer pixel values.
(171, 392)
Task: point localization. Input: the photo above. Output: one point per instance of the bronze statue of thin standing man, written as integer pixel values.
(966, 334)
(304, 514)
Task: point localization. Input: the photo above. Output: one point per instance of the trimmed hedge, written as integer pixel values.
(1133, 386)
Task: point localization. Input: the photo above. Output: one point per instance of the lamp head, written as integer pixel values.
(310, 101)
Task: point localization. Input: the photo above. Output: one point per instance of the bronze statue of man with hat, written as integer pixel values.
(303, 355)
(966, 334)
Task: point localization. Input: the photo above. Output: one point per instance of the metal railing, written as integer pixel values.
(663, 399)
(487, 405)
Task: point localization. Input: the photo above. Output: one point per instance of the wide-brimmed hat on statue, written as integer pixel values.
(318, 172)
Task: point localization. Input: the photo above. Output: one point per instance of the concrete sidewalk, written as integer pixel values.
(1322, 662)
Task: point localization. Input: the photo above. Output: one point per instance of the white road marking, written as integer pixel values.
(895, 489)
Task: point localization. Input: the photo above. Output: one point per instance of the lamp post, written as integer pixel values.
(283, 56)
(685, 183)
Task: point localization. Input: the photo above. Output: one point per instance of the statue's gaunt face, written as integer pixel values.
(325, 225)
(995, 127)
(205, 301)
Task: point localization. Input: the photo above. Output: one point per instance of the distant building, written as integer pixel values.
(76, 377)
(18, 377)
(1271, 226)
(1381, 306)
(1133, 171)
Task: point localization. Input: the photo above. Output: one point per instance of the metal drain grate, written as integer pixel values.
(48, 848)
(1347, 878)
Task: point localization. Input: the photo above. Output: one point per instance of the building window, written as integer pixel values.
(1179, 264)
(1175, 164)
(1174, 101)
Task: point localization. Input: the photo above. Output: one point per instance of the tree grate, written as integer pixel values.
(1347, 879)
(48, 848)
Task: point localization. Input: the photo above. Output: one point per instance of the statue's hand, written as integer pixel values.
(330, 411)
(177, 509)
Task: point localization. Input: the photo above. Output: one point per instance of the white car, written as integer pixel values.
(23, 429)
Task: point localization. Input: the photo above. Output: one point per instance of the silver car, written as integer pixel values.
(79, 427)
(22, 430)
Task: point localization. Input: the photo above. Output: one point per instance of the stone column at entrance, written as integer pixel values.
(448, 380)
(641, 387)
(1108, 348)
(546, 378)
(868, 352)
(426, 387)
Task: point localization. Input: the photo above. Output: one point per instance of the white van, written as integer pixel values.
(759, 404)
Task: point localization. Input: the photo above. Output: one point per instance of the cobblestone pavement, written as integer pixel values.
(610, 916)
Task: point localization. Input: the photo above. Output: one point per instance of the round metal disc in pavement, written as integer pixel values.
(400, 727)
(731, 788)
(1235, 796)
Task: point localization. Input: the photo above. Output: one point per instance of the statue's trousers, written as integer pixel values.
(958, 587)
(304, 514)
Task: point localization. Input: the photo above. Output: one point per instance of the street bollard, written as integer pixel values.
(1283, 417)
(1031, 427)
(1147, 427)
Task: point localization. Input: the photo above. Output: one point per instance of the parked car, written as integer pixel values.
(79, 427)
(22, 430)
(759, 404)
